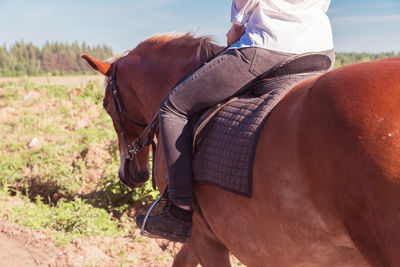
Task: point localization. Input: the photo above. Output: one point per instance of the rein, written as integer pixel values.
(146, 138)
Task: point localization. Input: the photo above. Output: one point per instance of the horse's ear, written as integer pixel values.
(98, 65)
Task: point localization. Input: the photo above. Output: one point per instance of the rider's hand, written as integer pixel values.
(234, 34)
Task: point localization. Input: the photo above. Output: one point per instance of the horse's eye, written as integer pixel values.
(105, 105)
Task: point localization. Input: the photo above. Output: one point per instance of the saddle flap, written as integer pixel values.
(299, 64)
(279, 83)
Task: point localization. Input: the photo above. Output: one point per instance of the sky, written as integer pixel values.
(358, 25)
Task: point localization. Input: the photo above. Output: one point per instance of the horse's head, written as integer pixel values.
(123, 106)
(142, 78)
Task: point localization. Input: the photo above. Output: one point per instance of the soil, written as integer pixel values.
(65, 80)
(96, 155)
(20, 246)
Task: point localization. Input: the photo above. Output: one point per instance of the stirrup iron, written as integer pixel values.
(142, 230)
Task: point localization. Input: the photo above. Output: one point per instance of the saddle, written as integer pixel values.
(225, 136)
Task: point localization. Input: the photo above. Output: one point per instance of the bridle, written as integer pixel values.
(146, 138)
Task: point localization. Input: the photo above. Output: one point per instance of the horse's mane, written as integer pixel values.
(204, 46)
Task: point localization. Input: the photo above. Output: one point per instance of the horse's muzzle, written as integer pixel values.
(131, 175)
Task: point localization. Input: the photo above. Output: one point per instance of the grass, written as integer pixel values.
(68, 180)
(66, 220)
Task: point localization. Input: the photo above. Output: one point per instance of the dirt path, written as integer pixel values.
(20, 246)
(65, 80)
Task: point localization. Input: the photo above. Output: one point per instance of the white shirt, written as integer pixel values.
(290, 26)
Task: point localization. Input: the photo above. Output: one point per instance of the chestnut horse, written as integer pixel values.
(326, 179)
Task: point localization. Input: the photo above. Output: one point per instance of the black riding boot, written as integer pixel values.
(173, 223)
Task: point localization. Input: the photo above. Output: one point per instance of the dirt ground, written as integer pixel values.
(20, 246)
(65, 80)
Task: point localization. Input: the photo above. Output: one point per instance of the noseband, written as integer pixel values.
(146, 138)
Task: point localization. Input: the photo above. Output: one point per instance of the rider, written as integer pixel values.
(263, 34)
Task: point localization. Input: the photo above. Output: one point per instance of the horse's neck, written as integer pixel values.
(159, 80)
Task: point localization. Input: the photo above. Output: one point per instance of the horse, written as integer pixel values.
(326, 174)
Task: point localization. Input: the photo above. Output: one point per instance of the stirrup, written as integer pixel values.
(143, 232)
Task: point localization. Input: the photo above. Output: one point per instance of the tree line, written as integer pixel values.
(57, 58)
(54, 58)
(343, 59)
